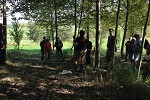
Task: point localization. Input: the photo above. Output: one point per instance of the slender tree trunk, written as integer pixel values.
(5, 29)
(52, 30)
(75, 18)
(88, 20)
(143, 39)
(80, 20)
(88, 26)
(56, 19)
(116, 29)
(97, 49)
(125, 30)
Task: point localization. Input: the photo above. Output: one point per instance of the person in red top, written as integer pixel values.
(48, 50)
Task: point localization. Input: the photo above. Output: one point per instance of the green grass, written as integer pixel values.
(29, 45)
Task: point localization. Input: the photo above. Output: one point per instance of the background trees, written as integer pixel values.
(16, 32)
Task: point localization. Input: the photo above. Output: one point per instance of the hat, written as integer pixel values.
(136, 34)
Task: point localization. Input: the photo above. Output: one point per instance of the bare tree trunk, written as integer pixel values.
(52, 30)
(80, 20)
(97, 49)
(125, 30)
(88, 21)
(75, 18)
(143, 39)
(56, 19)
(5, 29)
(116, 29)
(88, 26)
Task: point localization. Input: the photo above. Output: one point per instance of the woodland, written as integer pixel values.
(26, 77)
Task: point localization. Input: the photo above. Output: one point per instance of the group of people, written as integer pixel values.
(133, 47)
(2, 45)
(82, 49)
(46, 49)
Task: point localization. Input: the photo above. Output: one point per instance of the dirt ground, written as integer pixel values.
(25, 77)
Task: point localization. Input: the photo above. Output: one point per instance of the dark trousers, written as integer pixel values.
(59, 52)
(42, 55)
(109, 55)
(129, 55)
(88, 57)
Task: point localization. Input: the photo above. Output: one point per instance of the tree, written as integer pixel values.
(35, 32)
(143, 38)
(116, 29)
(97, 49)
(16, 32)
(125, 29)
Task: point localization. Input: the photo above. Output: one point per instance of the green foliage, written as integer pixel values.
(125, 74)
(35, 32)
(16, 32)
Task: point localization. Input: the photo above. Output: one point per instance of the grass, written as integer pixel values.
(26, 77)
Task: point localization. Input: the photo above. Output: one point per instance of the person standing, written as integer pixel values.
(136, 50)
(110, 46)
(129, 49)
(80, 51)
(88, 53)
(42, 48)
(48, 51)
(59, 45)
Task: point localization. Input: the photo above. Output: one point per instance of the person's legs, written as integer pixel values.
(82, 57)
(46, 57)
(49, 56)
(75, 60)
(88, 57)
(61, 53)
(108, 56)
(42, 55)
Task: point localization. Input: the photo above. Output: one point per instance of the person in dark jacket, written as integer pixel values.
(42, 48)
(129, 49)
(110, 46)
(59, 45)
(80, 51)
(88, 53)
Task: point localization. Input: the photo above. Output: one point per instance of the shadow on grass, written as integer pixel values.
(26, 77)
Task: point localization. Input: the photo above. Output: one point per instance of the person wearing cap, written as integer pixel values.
(136, 50)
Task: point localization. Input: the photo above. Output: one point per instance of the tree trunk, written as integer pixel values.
(5, 29)
(56, 19)
(125, 30)
(116, 29)
(97, 49)
(52, 30)
(143, 39)
(75, 18)
(88, 21)
(80, 20)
